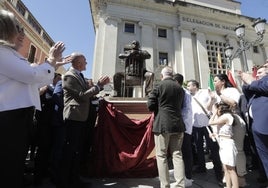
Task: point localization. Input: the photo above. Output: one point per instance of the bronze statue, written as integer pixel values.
(135, 71)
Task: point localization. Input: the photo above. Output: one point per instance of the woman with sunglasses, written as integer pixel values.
(19, 97)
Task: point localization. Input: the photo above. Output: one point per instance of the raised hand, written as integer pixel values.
(65, 60)
(103, 80)
(246, 77)
(55, 53)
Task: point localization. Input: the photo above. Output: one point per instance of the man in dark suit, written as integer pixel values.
(257, 93)
(77, 96)
(44, 131)
(166, 102)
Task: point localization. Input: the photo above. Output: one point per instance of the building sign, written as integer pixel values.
(207, 23)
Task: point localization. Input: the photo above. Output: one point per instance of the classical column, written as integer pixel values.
(104, 62)
(202, 59)
(178, 63)
(146, 42)
(187, 56)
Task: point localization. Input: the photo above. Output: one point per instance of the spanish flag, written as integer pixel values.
(219, 58)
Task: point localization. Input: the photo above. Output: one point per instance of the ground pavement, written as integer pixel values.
(201, 180)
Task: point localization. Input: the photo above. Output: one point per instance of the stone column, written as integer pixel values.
(147, 36)
(104, 62)
(202, 59)
(187, 56)
(178, 63)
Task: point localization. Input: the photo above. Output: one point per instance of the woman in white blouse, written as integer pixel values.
(230, 95)
(18, 97)
(224, 120)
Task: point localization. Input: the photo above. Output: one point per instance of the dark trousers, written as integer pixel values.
(199, 135)
(261, 141)
(215, 156)
(187, 155)
(70, 166)
(251, 150)
(42, 159)
(14, 138)
(58, 138)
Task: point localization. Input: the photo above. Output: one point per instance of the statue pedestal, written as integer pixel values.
(137, 91)
(134, 107)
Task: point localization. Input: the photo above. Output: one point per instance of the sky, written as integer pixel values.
(70, 21)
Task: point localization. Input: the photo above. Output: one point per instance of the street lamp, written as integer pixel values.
(259, 25)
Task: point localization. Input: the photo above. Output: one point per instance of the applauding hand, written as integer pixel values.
(103, 81)
(65, 60)
(55, 53)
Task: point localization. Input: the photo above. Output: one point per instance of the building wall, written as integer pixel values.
(195, 32)
(35, 34)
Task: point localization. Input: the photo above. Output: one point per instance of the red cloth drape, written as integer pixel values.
(122, 145)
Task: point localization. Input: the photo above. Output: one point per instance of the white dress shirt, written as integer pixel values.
(19, 82)
(200, 119)
(187, 113)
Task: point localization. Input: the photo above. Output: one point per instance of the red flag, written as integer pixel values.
(254, 71)
(231, 78)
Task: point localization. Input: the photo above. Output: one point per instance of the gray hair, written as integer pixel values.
(8, 28)
(167, 72)
(76, 55)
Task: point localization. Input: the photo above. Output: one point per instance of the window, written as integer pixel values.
(129, 28)
(34, 23)
(20, 8)
(215, 51)
(255, 49)
(163, 58)
(162, 33)
(32, 54)
(47, 39)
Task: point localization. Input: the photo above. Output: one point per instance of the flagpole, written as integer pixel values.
(219, 62)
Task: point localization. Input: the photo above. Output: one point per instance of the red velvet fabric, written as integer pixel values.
(122, 145)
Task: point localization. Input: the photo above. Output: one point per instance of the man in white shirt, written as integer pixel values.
(200, 103)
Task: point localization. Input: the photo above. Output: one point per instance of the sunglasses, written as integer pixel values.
(20, 29)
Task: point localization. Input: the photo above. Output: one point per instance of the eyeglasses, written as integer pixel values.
(20, 29)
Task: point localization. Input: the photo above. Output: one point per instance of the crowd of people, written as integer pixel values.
(53, 116)
(34, 98)
(222, 120)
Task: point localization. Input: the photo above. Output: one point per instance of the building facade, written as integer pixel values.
(188, 35)
(37, 42)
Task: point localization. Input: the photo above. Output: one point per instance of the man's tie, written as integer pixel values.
(81, 74)
(83, 78)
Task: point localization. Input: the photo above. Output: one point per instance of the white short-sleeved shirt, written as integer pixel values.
(231, 93)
